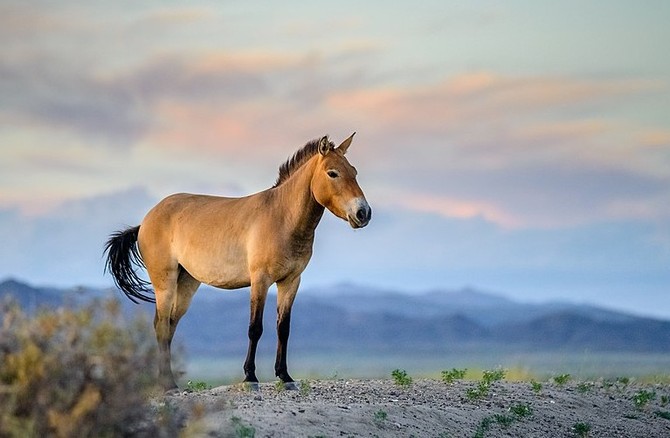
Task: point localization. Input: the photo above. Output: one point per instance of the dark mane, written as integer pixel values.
(298, 159)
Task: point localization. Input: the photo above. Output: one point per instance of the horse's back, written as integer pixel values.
(206, 235)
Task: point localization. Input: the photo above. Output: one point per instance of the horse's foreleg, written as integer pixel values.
(286, 291)
(259, 292)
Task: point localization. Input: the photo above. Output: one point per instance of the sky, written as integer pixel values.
(519, 147)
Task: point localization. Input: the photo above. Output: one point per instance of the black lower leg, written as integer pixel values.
(255, 332)
(283, 329)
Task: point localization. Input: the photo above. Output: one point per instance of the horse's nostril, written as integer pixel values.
(363, 214)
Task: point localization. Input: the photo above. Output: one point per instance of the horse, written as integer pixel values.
(257, 240)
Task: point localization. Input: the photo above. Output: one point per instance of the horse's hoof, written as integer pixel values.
(291, 386)
(172, 391)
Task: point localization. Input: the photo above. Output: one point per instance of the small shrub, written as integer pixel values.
(305, 388)
(483, 386)
(197, 386)
(241, 429)
(642, 398)
(401, 378)
(562, 379)
(455, 374)
(581, 430)
(664, 400)
(584, 387)
(663, 414)
(535, 386)
(504, 420)
(522, 410)
(280, 386)
(380, 416)
(624, 381)
(490, 376)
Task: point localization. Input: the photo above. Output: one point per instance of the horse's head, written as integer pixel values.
(334, 184)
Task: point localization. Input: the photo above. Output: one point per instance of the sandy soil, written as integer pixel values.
(427, 408)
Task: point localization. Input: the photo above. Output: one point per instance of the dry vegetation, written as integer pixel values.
(83, 372)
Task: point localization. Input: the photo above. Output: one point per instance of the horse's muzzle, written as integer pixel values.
(361, 217)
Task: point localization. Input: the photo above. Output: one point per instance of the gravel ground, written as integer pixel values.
(427, 408)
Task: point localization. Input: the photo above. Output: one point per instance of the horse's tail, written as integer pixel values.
(122, 254)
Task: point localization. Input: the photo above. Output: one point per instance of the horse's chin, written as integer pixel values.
(355, 224)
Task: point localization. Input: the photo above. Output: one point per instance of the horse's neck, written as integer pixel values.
(298, 205)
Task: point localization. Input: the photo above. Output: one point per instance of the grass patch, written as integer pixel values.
(401, 378)
(242, 430)
(197, 386)
(562, 379)
(642, 398)
(455, 374)
(581, 429)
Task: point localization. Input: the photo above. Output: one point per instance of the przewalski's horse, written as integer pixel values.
(230, 243)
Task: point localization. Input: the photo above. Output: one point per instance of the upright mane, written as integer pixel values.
(300, 157)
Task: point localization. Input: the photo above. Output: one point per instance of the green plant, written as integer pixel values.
(664, 400)
(483, 386)
(280, 386)
(623, 381)
(521, 410)
(401, 378)
(581, 429)
(663, 414)
(562, 379)
(535, 386)
(85, 371)
(584, 387)
(197, 386)
(642, 398)
(305, 387)
(241, 429)
(380, 415)
(454, 374)
(504, 420)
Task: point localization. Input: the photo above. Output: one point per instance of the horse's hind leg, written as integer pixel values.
(173, 296)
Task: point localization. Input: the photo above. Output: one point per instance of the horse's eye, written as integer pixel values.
(333, 173)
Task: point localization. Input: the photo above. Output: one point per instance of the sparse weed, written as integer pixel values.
(241, 429)
(664, 400)
(483, 386)
(197, 386)
(401, 378)
(663, 414)
(522, 410)
(280, 386)
(581, 429)
(642, 398)
(504, 420)
(584, 387)
(490, 376)
(562, 379)
(455, 374)
(380, 416)
(535, 386)
(624, 381)
(305, 387)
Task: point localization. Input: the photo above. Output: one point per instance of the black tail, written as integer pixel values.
(122, 254)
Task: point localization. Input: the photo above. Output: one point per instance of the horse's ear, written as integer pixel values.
(324, 145)
(345, 144)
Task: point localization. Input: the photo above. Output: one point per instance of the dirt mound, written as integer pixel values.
(429, 408)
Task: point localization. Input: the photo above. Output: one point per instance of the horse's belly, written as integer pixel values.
(226, 271)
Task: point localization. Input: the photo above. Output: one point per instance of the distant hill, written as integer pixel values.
(351, 318)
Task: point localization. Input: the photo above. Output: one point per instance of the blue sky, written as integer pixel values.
(520, 147)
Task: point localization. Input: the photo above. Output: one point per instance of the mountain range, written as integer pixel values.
(356, 319)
